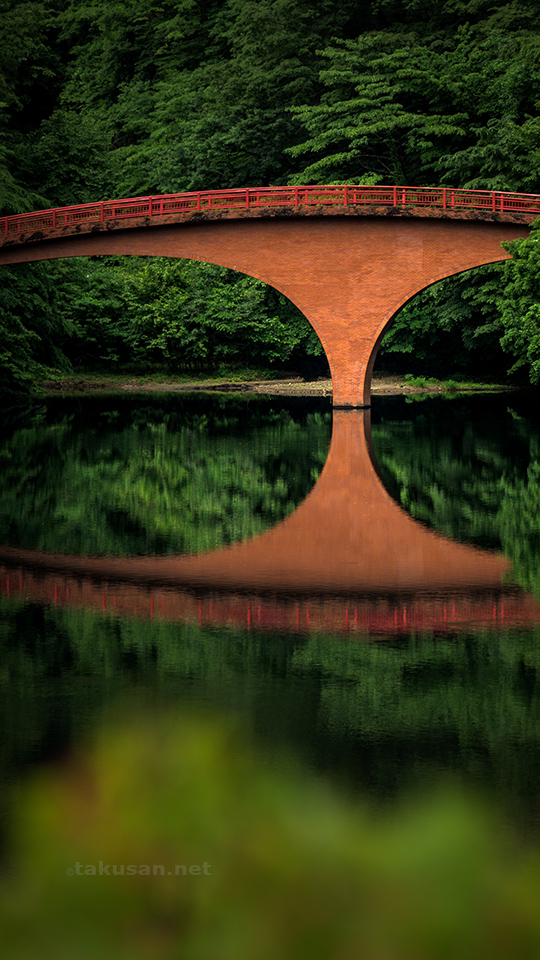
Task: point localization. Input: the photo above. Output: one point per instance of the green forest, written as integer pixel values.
(107, 99)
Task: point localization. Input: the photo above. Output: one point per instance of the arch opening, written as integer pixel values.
(448, 331)
(171, 315)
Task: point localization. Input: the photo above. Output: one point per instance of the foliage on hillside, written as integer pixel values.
(108, 99)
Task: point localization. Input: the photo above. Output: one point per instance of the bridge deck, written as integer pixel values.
(270, 201)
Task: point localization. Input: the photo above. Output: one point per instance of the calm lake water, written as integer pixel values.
(376, 625)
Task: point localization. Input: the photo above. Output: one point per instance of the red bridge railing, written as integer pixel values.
(442, 198)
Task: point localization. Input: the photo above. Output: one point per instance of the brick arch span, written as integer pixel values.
(349, 272)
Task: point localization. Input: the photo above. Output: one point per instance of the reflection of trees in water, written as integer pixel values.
(381, 716)
(158, 478)
(412, 709)
(470, 470)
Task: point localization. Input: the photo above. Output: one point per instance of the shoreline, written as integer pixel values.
(293, 386)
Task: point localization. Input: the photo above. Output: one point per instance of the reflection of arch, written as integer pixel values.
(348, 538)
(348, 269)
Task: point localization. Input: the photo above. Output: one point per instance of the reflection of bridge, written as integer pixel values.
(361, 560)
(355, 616)
(348, 257)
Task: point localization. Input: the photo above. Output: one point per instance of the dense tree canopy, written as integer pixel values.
(410, 105)
(102, 99)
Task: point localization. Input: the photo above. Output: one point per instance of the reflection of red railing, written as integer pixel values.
(442, 198)
(335, 615)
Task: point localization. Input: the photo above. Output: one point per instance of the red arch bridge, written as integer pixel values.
(348, 256)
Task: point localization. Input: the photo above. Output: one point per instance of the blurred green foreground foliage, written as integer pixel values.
(283, 868)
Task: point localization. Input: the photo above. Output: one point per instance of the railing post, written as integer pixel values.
(198, 200)
(444, 198)
(493, 201)
(453, 199)
(296, 196)
(345, 196)
(101, 212)
(247, 198)
(502, 202)
(403, 197)
(395, 196)
(54, 219)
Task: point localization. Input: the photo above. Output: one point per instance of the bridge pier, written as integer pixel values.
(349, 274)
(351, 376)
